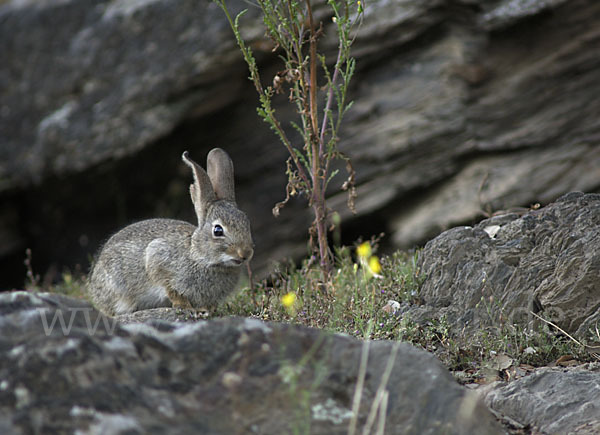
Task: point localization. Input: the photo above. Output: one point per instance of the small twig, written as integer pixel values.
(250, 276)
(560, 329)
(33, 279)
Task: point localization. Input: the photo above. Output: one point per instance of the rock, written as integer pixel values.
(458, 106)
(112, 79)
(222, 376)
(162, 314)
(551, 400)
(545, 261)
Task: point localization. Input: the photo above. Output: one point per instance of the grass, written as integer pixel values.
(367, 305)
(364, 298)
(352, 298)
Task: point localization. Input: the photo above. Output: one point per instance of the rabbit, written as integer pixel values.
(165, 262)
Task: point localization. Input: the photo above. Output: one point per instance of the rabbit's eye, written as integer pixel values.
(218, 231)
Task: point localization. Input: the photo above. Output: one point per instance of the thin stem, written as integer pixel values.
(313, 73)
(360, 382)
(330, 99)
(318, 195)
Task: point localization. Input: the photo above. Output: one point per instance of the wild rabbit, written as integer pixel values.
(165, 262)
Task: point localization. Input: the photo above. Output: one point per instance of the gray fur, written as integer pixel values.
(165, 262)
(220, 169)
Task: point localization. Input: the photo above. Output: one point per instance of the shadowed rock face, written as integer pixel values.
(224, 376)
(459, 107)
(546, 261)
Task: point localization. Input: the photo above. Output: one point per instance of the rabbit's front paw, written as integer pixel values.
(178, 301)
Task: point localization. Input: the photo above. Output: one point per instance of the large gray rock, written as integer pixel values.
(84, 81)
(503, 268)
(224, 376)
(460, 107)
(552, 400)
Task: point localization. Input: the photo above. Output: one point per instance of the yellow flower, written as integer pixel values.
(289, 299)
(364, 250)
(374, 265)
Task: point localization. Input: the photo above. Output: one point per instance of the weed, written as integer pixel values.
(295, 35)
(70, 283)
(347, 302)
(32, 280)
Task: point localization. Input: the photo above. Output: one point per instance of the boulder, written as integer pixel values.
(505, 268)
(67, 368)
(102, 80)
(551, 400)
(461, 108)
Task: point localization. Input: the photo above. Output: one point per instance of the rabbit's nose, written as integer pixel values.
(245, 254)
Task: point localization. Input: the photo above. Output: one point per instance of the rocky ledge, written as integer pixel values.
(66, 368)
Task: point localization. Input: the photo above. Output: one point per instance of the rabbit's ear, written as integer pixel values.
(201, 191)
(220, 172)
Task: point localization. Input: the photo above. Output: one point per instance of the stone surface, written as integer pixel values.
(546, 261)
(113, 77)
(552, 400)
(460, 107)
(223, 376)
